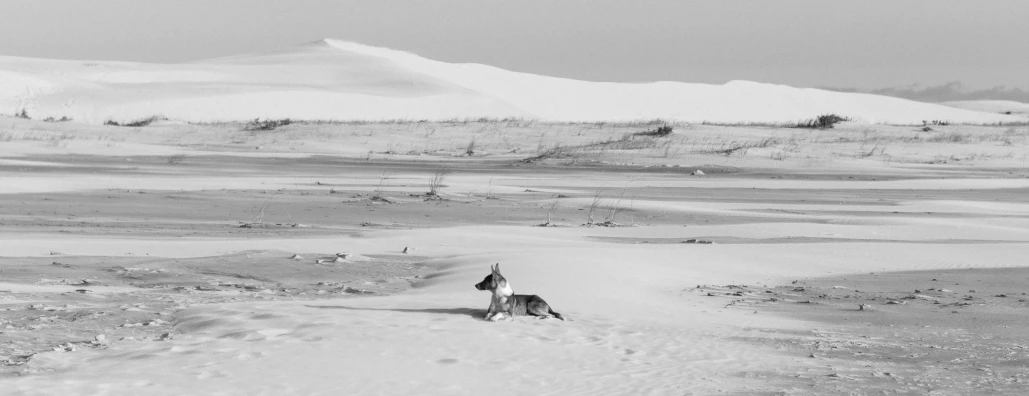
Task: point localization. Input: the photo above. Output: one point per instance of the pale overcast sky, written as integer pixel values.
(860, 43)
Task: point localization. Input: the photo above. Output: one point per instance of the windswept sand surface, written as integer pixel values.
(186, 234)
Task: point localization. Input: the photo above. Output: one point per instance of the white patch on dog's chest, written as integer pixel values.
(506, 290)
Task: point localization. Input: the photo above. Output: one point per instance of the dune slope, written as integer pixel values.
(992, 106)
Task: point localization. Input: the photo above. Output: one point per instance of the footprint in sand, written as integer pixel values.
(447, 361)
(212, 374)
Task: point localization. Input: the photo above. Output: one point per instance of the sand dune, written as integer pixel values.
(336, 80)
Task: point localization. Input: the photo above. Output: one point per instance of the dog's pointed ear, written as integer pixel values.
(498, 268)
(492, 269)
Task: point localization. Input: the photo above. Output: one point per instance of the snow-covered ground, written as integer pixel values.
(337, 80)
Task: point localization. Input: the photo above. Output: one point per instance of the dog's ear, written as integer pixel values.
(492, 269)
(498, 268)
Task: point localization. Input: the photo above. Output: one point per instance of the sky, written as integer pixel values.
(861, 44)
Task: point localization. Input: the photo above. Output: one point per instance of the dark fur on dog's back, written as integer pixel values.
(504, 301)
(525, 304)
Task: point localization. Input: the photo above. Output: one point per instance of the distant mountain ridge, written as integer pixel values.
(339, 80)
(950, 92)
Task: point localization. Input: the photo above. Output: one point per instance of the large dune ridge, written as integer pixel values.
(338, 80)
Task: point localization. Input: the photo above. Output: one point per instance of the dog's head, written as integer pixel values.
(495, 282)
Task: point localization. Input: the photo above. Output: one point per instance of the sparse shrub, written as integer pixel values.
(58, 140)
(470, 150)
(22, 114)
(824, 121)
(52, 119)
(436, 182)
(176, 159)
(266, 125)
(142, 122)
(661, 131)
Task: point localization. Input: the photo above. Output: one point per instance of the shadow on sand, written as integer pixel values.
(475, 313)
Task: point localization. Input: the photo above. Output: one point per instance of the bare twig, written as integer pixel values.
(489, 190)
(592, 208)
(378, 189)
(550, 213)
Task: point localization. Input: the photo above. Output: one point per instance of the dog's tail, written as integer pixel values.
(556, 315)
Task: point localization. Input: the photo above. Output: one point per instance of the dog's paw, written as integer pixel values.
(496, 318)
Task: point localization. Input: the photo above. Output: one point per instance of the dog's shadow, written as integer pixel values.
(472, 312)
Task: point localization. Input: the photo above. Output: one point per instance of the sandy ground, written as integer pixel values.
(160, 260)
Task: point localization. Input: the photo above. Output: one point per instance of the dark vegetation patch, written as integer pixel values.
(661, 131)
(142, 122)
(265, 125)
(824, 121)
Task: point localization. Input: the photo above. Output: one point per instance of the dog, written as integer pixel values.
(505, 302)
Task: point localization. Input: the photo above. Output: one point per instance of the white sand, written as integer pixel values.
(337, 80)
(632, 328)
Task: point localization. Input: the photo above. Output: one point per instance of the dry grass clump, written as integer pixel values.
(436, 182)
(265, 125)
(661, 131)
(824, 121)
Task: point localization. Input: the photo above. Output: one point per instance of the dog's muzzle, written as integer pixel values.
(479, 286)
